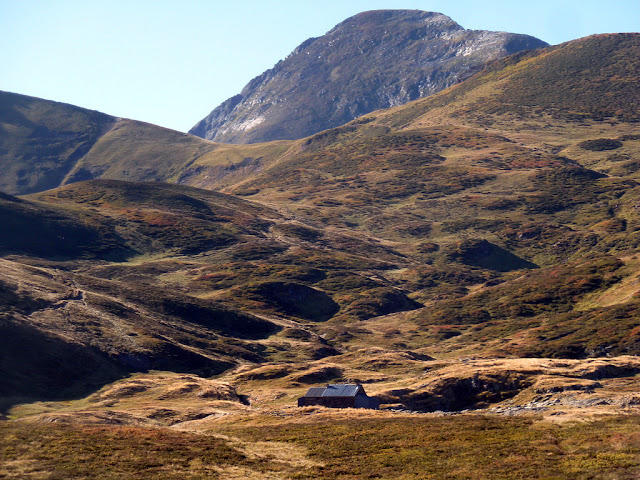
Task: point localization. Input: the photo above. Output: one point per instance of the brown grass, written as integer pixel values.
(329, 445)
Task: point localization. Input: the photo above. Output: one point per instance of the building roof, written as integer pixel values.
(338, 390)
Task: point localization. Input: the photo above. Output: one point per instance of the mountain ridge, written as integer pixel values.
(47, 144)
(323, 83)
(42, 140)
(135, 151)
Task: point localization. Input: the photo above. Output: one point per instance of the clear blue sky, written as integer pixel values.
(170, 62)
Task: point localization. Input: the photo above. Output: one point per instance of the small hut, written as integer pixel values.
(342, 395)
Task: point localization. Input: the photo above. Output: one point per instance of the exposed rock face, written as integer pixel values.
(374, 60)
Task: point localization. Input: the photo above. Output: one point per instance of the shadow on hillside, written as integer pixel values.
(35, 366)
(484, 254)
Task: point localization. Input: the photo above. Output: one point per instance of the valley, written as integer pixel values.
(471, 258)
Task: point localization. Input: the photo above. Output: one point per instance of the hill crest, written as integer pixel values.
(373, 60)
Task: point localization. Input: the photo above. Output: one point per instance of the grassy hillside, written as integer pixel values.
(530, 164)
(156, 218)
(592, 78)
(586, 80)
(42, 140)
(42, 230)
(138, 151)
(46, 144)
(496, 219)
(65, 334)
(132, 277)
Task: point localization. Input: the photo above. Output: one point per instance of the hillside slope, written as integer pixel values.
(373, 60)
(457, 143)
(449, 227)
(592, 78)
(40, 141)
(531, 163)
(129, 277)
(46, 144)
(65, 334)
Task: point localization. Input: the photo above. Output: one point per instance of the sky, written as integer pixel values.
(170, 62)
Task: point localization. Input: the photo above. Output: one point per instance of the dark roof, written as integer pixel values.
(338, 390)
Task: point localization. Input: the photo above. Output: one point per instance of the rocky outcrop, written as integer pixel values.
(376, 59)
(531, 384)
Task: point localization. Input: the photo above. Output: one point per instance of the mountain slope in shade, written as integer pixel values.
(374, 60)
(43, 230)
(63, 333)
(46, 144)
(41, 140)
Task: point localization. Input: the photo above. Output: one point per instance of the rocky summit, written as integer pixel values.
(373, 60)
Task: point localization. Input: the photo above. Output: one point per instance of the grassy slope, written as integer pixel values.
(42, 230)
(251, 254)
(82, 332)
(46, 144)
(590, 78)
(138, 151)
(190, 259)
(42, 140)
(441, 208)
(160, 217)
(512, 158)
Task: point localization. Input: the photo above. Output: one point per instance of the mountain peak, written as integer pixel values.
(375, 59)
(383, 25)
(391, 15)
